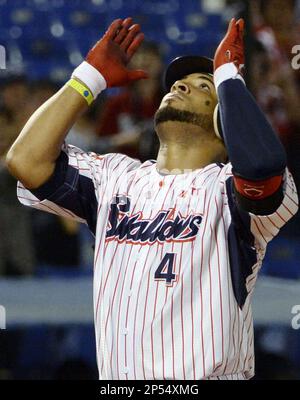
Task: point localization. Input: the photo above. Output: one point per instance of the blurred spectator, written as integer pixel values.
(16, 242)
(274, 82)
(14, 110)
(83, 133)
(61, 235)
(128, 116)
(276, 92)
(280, 17)
(41, 91)
(276, 85)
(57, 242)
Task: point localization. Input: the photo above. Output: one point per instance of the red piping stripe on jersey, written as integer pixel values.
(137, 302)
(125, 349)
(210, 306)
(111, 312)
(201, 270)
(201, 297)
(228, 283)
(288, 210)
(239, 340)
(126, 320)
(118, 324)
(266, 229)
(260, 231)
(290, 197)
(181, 315)
(192, 311)
(284, 221)
(98, 212)
(145, 306)
(220, 291)
(154, 309)
(248, 323)
(128, 301)
(191, 290)
(272, 222)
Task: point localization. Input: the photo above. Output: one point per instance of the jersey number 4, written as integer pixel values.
(165, 271)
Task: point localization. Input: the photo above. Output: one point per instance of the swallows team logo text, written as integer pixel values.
(166, 225)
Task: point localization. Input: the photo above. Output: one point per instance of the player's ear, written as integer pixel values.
(217, 123)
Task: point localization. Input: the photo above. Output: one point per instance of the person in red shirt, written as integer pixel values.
(127, 118)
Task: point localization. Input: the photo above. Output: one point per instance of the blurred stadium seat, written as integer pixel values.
(282, 258)
(44, 348)
(45, 37)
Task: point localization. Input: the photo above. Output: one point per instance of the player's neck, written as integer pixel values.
(178, 159)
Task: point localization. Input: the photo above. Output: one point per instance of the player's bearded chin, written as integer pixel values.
(165, 114)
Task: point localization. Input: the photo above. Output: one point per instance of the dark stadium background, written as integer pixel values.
(47, 295)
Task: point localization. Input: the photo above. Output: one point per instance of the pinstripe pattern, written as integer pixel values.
(192, 328)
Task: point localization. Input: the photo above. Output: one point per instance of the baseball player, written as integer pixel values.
(178, 241)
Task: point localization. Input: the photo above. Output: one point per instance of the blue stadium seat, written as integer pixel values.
(156, 7)
(44, 348)
(52, 36)
(35, 351)
(282, 258)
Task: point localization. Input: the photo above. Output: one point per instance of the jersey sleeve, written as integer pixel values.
(77, 185)
(266, 227)
(263, 227)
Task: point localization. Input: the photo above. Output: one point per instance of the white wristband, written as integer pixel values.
(225, 72)
(91, 77)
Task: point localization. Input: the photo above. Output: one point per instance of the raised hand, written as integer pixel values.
(231, 48)
(113, 51)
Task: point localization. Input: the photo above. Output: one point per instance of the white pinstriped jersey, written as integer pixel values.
(174, 269)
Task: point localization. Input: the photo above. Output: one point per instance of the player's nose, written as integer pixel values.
(180, 86)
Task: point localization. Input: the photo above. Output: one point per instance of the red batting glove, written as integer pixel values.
(113, 51)
(231, 49)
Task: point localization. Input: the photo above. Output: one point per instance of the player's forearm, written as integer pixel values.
(258, 158)
(254, 149)
(32, 157)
